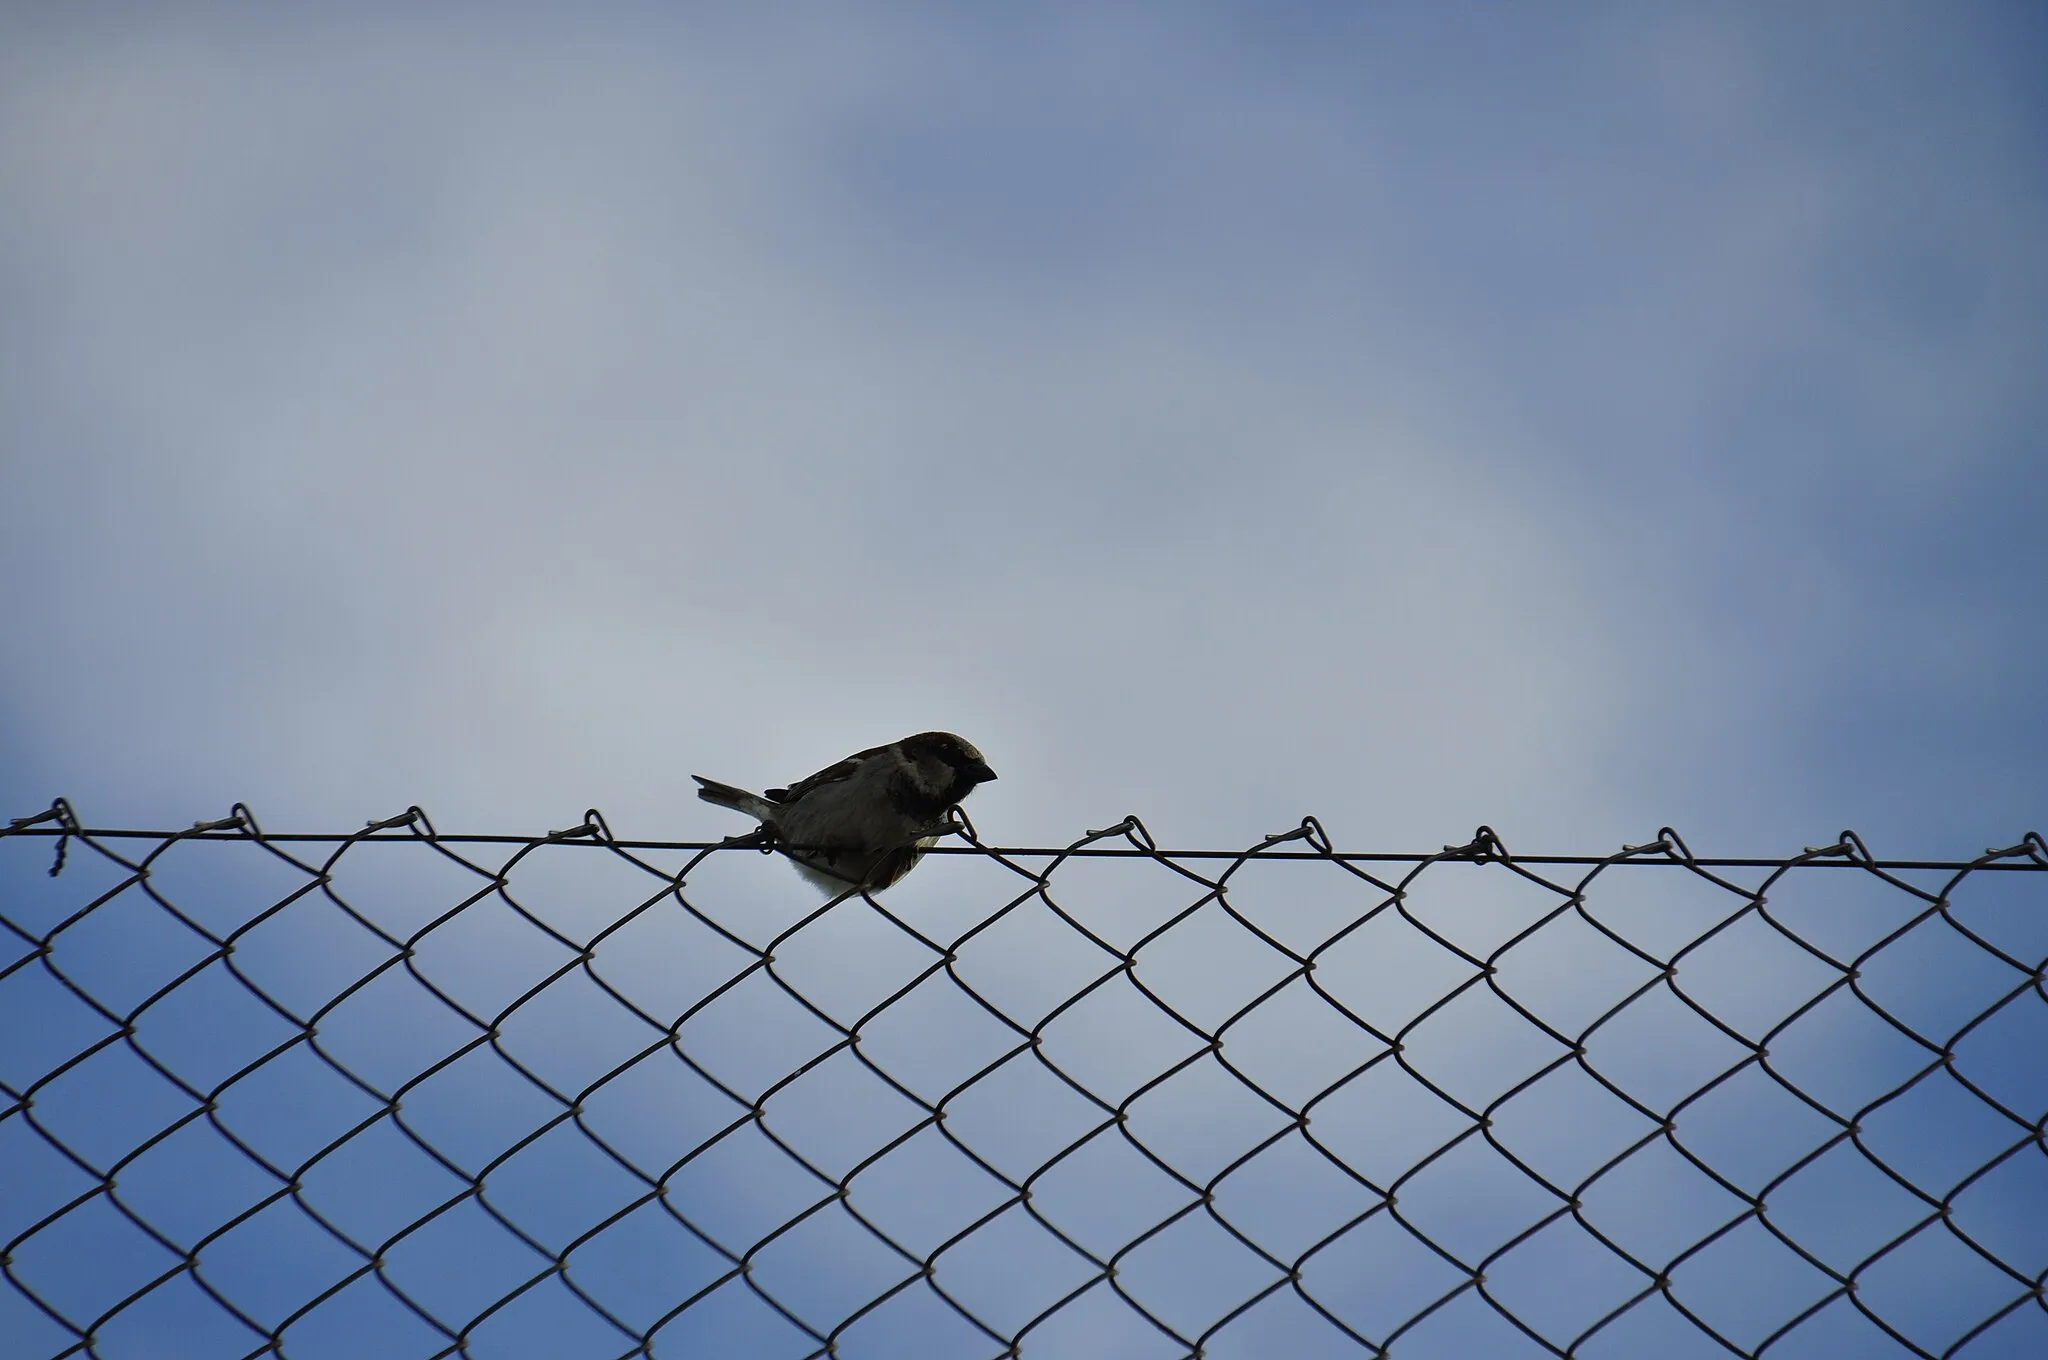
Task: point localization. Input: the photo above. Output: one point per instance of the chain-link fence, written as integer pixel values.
(401, 1093)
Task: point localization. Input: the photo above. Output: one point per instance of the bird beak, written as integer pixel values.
(983, 774)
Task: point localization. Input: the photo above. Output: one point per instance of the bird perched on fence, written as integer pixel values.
(866, 821)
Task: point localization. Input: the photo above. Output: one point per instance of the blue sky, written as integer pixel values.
(1575, 426)
(1419, 417)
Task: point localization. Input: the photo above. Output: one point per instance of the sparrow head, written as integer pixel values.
(943, 767)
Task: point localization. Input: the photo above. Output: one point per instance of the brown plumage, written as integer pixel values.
(861, 822)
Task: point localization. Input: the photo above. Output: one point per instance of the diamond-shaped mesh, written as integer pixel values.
(401, 1093)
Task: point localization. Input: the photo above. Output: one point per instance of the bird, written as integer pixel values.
(866, 821)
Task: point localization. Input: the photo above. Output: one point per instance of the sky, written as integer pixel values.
(1420, 419)
(1415, 415)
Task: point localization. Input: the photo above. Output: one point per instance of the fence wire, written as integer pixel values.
(403, 1093)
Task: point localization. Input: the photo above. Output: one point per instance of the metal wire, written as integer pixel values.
(1319, 1102)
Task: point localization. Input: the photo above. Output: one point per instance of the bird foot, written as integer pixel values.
(760, 838)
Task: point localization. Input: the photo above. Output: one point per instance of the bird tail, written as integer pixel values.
(739, 800)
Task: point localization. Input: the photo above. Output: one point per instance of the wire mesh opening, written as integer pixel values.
(402, 1093)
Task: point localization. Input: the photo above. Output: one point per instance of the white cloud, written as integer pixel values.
(516, 422)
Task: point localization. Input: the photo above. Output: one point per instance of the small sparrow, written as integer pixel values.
(862, 823)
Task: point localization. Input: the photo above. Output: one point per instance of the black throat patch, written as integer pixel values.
(920, 802)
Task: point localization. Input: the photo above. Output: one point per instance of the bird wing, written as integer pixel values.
(831, 774)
